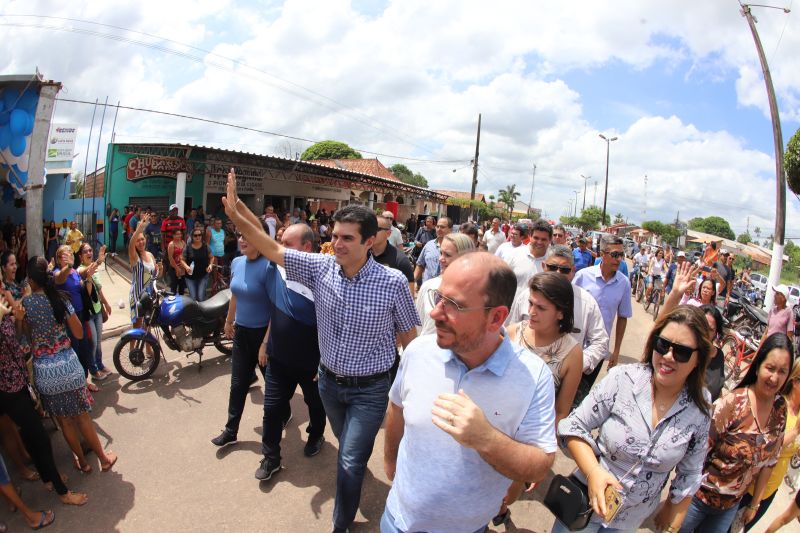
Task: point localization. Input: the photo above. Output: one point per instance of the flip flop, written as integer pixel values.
(110, 465)
(86, 469)
(33, 477)
(92, 387)
(44, 522)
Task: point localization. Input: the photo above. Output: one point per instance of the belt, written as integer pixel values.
(353, 381)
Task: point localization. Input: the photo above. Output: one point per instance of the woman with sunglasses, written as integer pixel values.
(745, 440)
(652, 418)
(200, 260)
(96, 305)
(453, 245)
(246, 323)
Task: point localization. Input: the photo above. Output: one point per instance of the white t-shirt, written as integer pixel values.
(272, 224)
(505, 250)
(493, 240)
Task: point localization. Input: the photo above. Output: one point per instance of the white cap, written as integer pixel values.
(783, 289)
(681, 254)
(723, 251)
(173, 206)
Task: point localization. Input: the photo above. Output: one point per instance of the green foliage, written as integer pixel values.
(791, 163)
(589, 219)
(80, 183)
(757, 231)
(405, 175)
(668, 232)
(508, 196)
(329, 150)
(744, 238)
(619, 218)
(713, 225)
(483, 211)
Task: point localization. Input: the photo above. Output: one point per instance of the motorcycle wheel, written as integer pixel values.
(225, 346)
(137, 359)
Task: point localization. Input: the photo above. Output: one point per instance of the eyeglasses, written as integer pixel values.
(680, 353)
(385, 229)
(197, 234)
(450, 306)
(615, 255)
(559, 268)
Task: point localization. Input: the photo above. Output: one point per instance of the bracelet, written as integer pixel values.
(753, 508)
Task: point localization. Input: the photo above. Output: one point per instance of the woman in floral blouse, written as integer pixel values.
(745, 439)
(652, 418)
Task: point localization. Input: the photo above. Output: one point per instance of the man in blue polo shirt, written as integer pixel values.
(290, 357)
(469, 410)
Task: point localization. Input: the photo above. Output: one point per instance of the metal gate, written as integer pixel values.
(159, 204)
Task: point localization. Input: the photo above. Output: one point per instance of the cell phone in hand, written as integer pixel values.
(614, 501)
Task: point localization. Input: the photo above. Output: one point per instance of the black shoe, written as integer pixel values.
(223, 439)
(266, 468)
(313, 446)
(288, 419)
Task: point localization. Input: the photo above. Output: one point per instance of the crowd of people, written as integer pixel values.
(479, 348)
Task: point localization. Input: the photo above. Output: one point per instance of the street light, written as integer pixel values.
(605, 194)
(585, 180)
(576, 203)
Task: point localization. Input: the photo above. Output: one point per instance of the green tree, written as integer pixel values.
(405, 175)
(744, 238)
(589, 219)
(791, 163)
(619, 218)
(713, 225)
(329, 150)
(668, 232)
(509, 196)
(757, 231)
(80, 182)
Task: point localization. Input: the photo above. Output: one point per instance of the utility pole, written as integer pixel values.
(644, 212)
(594, 202)
(585, 179)
(576, 203)
(780, 182)
(748, 226)
(475, 171)
(530, 202)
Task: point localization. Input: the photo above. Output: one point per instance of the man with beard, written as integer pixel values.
(468, 408)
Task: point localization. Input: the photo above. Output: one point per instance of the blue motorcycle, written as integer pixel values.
(184, 324)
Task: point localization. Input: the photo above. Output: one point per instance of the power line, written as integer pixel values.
(255, 130)
(387, 130)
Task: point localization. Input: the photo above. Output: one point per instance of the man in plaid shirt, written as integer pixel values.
(362, 308)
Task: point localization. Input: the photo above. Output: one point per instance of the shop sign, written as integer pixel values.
(61, 142)
(146, 167)
(249, 180)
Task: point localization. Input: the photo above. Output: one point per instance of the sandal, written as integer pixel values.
(48, 517)
(33, 476)
(112, 461)
(502, 518)
(85, 469)
(92, 387)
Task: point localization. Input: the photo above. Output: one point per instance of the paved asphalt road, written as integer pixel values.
(171, 478)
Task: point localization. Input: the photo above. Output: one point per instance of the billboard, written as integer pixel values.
(61, 142)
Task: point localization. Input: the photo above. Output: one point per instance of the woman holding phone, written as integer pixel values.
(652, 419)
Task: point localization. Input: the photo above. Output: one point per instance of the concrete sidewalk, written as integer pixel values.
(115, 277)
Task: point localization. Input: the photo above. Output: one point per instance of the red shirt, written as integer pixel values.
(168, 227)
(126, 221)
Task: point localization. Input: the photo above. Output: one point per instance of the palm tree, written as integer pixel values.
(509, 197)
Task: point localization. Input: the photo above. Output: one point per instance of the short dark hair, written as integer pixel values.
(501, 285)
(358, 214)
(522, 229)
(542, 225)
(470, 229)
(561, 227)
(775, 341)
(693, 318)
(558, 291)
(447, 221)
(609, 240)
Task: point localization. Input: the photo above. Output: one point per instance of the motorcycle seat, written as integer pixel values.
(216, 306)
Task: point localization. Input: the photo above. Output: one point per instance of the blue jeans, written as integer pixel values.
(81, 348)
(356, 415)
(95, 324)
(197, 287)
(388, 524)
(707, 519)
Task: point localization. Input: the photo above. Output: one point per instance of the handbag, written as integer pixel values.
(568, 499)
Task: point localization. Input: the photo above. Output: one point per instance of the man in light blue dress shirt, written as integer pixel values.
(469, 411)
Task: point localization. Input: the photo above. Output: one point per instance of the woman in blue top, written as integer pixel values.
(247, 320)
(68, 279)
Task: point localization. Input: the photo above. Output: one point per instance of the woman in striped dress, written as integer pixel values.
(144, 269)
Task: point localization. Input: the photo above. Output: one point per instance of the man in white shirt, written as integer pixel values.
(494, 237)
(590, 331)
(518, 233)
(529, 260)
(396, 238)
(271, 220)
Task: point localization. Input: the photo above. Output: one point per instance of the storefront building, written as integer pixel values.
(153, 175)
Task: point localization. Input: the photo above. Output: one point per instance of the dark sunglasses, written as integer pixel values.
(197, 234)
(680, 353)
(615, 255)
(553, 268)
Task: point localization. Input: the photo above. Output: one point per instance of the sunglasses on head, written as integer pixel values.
(680, 353)
(615, 255)
(553, 268)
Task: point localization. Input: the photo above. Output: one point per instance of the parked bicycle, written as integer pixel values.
(220, 279)
(739, 347)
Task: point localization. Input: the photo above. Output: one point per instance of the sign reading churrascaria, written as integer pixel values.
(147, 167)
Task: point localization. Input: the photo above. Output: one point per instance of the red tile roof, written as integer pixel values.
(364, 166)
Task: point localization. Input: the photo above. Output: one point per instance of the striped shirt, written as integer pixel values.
(357, 318)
